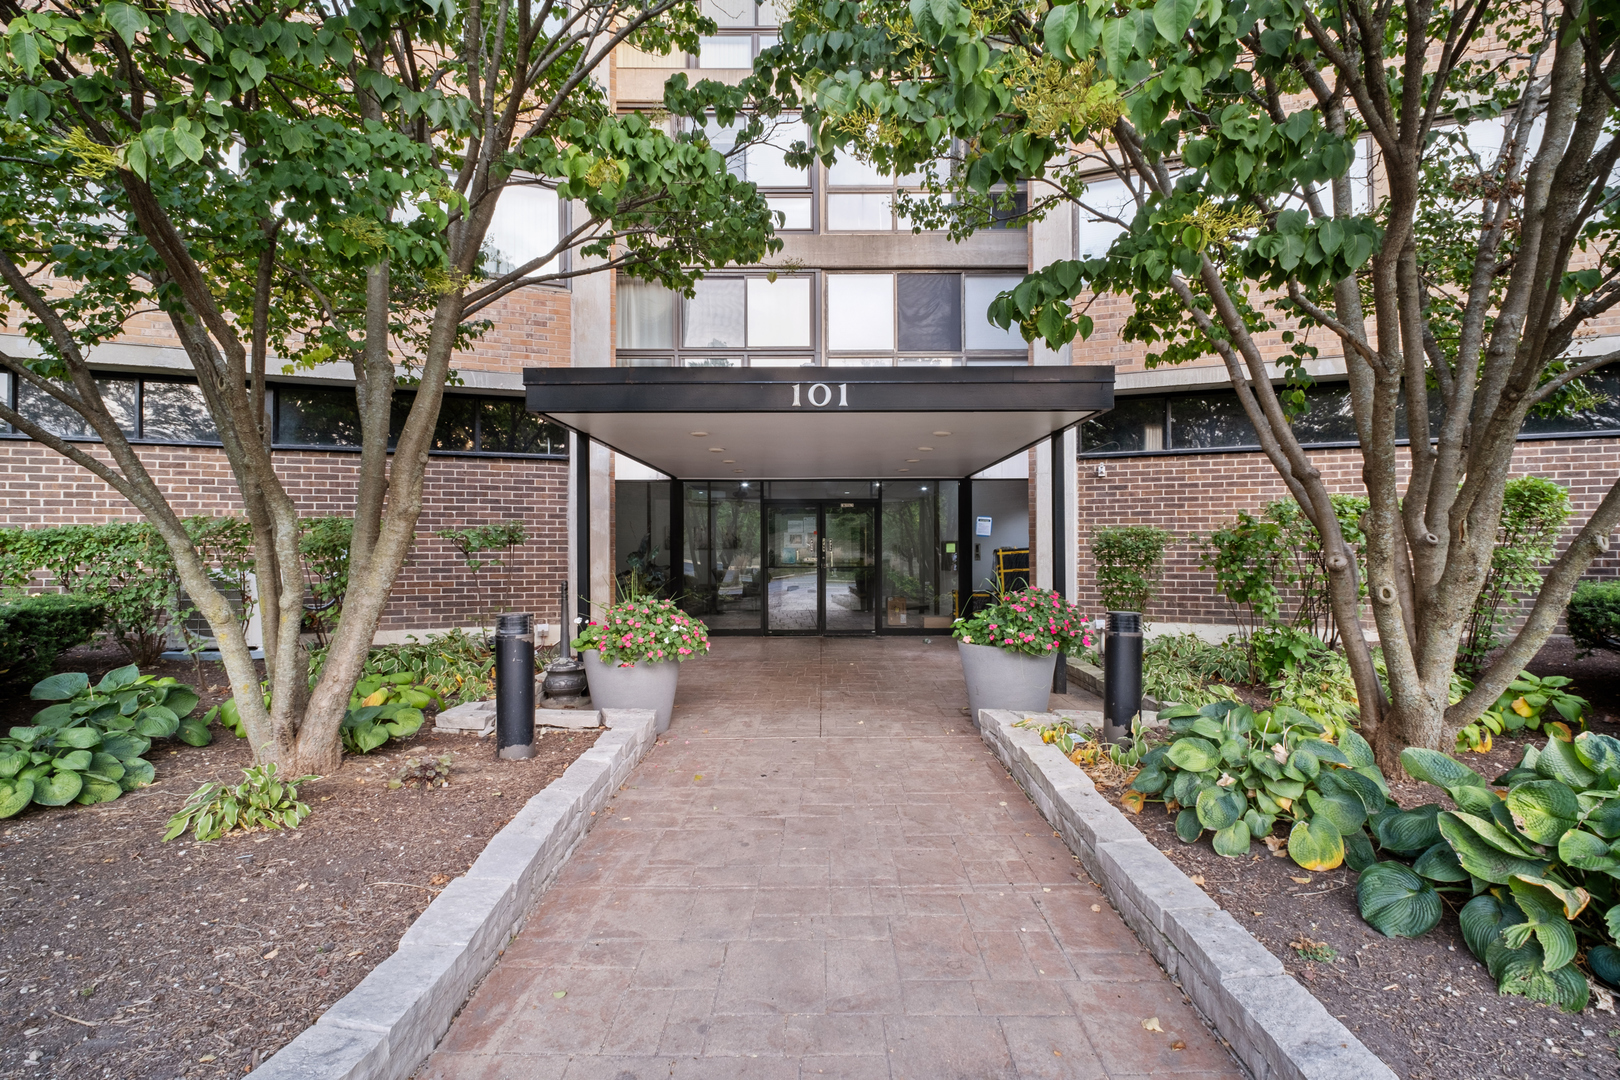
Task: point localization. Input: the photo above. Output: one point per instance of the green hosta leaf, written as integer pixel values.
(1439, 863)
(1233, 841)
(194, 732)
(1350, 782)
(97, 790)
(107, 766)
(60, 687)
(1358, 851)
(1407, 832)
(1219, 808)
(138, 772)
(1557, 761)
(1600, 753)
(1604, 960)
(1344, 811)
(1545, 918)
(1284, 789)
(118, 678)
(1584, 851)
(1611, 919)
(124, 746)
(1435, 768)
(77, 760)
(1476, 800)
(1323, 750)
(1357, 751)
(58, 788)
(1316, 845)
(55, 715)
(1194, 754)
(1186, 786)
(1396, 902)
(1543, 810)
(1485, 851)
(1604, 818)
(1523, 971)
(15, 795)
(157, 722)
(1304, 764)
(1187, 826)
(405, 722)
(79, 738)
(1482, 919)
(1260, 824)
(181, 700)
(12, 762)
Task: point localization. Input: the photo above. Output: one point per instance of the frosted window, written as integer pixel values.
(851, 171)
(1360, 175)
(779, 312)
(1112, 198)
(981, 332)
(714, 361)
(867, 211)
(646, 315)
(774, 12)
(930, 312)
(631, 57)
(524, 227)
(5, 395)
(734, 51)
(714, 315)
(795, 212)
(860, 311)
(730, 12)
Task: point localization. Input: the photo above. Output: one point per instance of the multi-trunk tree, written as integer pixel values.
(315, 182)
(1246, 134)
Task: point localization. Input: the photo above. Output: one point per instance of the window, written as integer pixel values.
(738, 40)
(316, 416)
(728, 321)
(941, 318)
(861, 199)
(762, 161)
(176, 412)
(525, 227)
(1106, 198)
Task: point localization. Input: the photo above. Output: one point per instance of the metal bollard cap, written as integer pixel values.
(512, 625)
(1125, 622)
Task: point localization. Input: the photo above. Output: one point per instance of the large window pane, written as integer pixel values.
(860, 211)
(1109, 198)
(1603, 417)
(49, 413)
(860, 311)
(730, 12)
(1134, 424)
(506, 427)
(714, 315)
(765, 165)
(457, 422)
(176, 412)
(312, 416)
(795, 211)
(641, 542)
(122, 398)
(1329, 419)
(524, 227)
(1213, 420)
(713, 361)
(730, 51)
(851, 171)
(930, 308)
(982, 334)
(779, 312)
(721, 576)
(646, 315)
(773, 360)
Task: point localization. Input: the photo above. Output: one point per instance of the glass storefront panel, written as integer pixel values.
(793, 552)
(641, 540)
(919, 554)
(847, 581)
(720, 572)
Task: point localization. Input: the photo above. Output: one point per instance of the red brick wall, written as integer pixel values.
(1192, 494)
(433, 590)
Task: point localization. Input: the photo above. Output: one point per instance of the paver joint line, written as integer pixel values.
(1275, 1026)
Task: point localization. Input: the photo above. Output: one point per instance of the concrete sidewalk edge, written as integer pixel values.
(386, 1027)
(1277, 1028)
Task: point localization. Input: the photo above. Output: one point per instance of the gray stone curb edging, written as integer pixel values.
(1278, 1030)
(386, 1027)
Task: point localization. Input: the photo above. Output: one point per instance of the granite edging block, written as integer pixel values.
(387, 1025)
(1277, 1029)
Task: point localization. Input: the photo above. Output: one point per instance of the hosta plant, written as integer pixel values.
(1524, 704)
(382, 707)
(1537, 853)
(124, 700)
(261, 801)
(1241, 773)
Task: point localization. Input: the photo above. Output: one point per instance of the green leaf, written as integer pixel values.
(1396, 902)
(1343, 810)
(1481, 920)
(1194, 755)
(1233, 841)
(1407, 832)
(15, 795)
(1522, 971)
(181, 700)
(60, 687)
(1604, 960)
(1172, 18)
(1584, 851)
(1611, 919)
(118, 678)
(1485, 851)
(1543, 810)
(58, 788)
(138, 772)
(1357, 750)
(79, 738)
(1435, 768)
(1188, 828)
(96, 790)
(77, 760)
(1358, 851)
(1220, 808)
(124, 745)
(1439, 863)
(1557, 761)
(127, 21)
(1316, 845)
(1600, 753)
(194, 732)
(13, 762)
(157, 722)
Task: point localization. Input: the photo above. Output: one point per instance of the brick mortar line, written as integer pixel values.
(1275, 1027)
(387, 1026)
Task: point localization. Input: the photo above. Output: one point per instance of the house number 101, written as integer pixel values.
(825, 395)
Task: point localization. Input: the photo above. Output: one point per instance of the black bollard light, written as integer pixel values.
(1122, 674)
(514, 686)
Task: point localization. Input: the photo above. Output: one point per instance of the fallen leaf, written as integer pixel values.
(1152, 1024)
(696, 778)
(1133, 801)
(1197, 879)
(1178, 1045)
(559, 993)
(1278, 846)
(206, 1057)
(271, 955)
(1393, 986)
(1306, 880)
(439, 879)
(1096, 907)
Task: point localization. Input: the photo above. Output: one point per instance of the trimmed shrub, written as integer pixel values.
(1130, 559)
(35, 630)
(1594, 615)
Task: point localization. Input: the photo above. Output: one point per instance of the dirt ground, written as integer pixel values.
(122, 956)
(1425, 1006)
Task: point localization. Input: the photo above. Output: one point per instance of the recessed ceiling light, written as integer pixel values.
(736, 470)
(905, 470)
(941, 433)
(717, 449)
(700, 434)
(728, 461)
(913, 460)
(925, 447)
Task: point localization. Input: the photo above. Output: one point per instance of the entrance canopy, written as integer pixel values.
(817, 423)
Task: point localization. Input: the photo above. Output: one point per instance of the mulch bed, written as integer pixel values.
(1425, 1006)
(124, 956)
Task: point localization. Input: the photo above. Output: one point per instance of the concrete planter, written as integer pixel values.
(1000, 679)
(644, 686)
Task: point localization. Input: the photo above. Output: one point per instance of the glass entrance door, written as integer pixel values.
(821, 564)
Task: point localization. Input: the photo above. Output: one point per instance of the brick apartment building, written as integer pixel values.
(765, 513)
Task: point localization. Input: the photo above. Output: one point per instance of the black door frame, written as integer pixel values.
(820, 506)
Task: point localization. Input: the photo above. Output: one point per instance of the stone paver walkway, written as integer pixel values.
(821, 871)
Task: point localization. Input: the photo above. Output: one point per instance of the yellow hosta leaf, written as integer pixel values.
(379, 698)
(1522, 707)
(1133, 801)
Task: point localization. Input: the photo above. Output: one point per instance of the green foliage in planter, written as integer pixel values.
(124, 700)
(35, 630)
(261, 801)
(454, 667)
(1533, 514)
(1541, 863)
(1594, 615)
(383, 707)
(1130, 561)
(1031, 621)
(1241, 773)
(644, 629)
(1524, 704)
